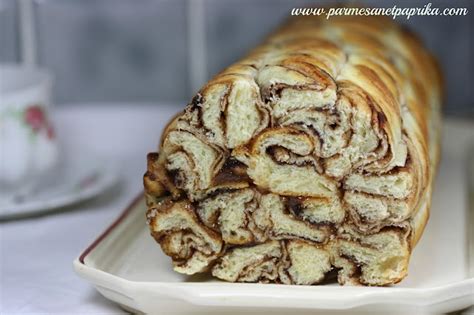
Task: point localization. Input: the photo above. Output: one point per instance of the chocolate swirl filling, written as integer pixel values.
(312, 154)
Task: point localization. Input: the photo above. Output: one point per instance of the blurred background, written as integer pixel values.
(163, 50)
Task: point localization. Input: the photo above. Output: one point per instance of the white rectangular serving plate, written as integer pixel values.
(127, 266)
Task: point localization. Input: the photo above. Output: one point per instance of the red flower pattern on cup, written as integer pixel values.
(35, 118)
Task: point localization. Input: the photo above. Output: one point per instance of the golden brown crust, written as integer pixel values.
(326, 134)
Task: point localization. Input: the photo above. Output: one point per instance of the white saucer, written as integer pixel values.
(76, 179)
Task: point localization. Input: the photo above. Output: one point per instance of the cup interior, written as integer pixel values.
(15, 78)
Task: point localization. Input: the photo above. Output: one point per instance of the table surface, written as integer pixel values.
(36, 254)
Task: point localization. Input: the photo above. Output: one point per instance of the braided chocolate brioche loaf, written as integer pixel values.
(315, 152)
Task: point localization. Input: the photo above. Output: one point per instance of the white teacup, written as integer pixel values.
(28, 146)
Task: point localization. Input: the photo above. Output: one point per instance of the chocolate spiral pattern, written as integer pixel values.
(316, 152)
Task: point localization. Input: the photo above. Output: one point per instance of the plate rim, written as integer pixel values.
(128, 209)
